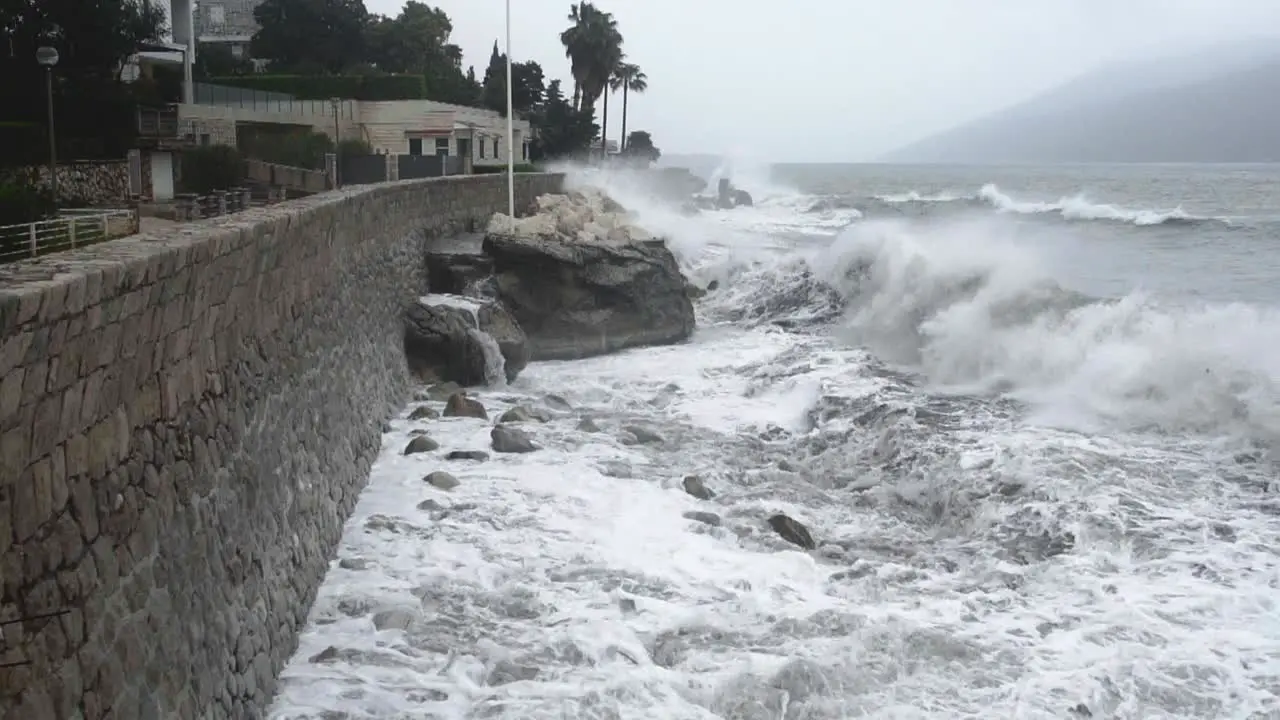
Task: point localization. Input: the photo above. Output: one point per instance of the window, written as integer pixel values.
(415, 146)
(524, 151)
(482, 146)
(204, 138)
(495, 149)
(217, 15)
(442, 146)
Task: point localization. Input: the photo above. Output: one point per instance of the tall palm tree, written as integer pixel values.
(628, 78)
(594, 48)
(610, 87)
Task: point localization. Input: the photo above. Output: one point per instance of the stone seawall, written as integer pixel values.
(186, 421)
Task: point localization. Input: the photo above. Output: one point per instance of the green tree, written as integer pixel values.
(640, 147)
(94, 111)
(628, 78)
(560, 130)
(217, 60)
(593, 45)
(527, 81)
(417, 41)
(93, 37)
(310, 36)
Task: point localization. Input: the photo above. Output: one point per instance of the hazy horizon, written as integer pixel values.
(732, 79)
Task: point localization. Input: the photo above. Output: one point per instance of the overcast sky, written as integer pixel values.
(843, 80)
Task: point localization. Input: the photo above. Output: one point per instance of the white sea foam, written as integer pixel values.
(1047, 510)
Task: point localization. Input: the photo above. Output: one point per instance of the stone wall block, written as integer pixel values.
(162, 401)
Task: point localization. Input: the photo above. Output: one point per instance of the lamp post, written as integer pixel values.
(337, 142)
(48, 57)
(511, 146)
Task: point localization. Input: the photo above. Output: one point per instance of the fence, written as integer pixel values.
(265, 101)
(72, 229)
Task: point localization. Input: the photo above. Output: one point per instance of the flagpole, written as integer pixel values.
(511, 145)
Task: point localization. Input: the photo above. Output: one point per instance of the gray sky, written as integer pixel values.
(843, 80)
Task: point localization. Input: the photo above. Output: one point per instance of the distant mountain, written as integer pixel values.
(1215, 105)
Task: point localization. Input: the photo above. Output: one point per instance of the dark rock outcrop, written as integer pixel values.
(582, 281)
(459, 405)
(469, 341)
(511, 440)
(792, 531)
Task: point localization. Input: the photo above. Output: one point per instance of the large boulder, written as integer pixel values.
(469, 341)
(582, 280)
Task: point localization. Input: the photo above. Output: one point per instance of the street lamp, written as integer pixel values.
(48, 57)
(511, 146)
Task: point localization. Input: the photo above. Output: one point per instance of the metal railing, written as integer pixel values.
(266, 101)
(72, 229)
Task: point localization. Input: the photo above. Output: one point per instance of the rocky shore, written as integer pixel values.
(576, 278)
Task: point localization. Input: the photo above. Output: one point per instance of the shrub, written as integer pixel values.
(22, 203)
(209, 168)
(497, 169)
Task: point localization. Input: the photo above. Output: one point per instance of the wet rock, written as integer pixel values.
(556, 402)
(642, 435)
(626, 605)
(505, 671)
(328, 654)
(693, 485)
(707, 518)
(521, 413)
(353, 564)
(394, 619)
(586, 424)
(421, 444)
(441, 479)
(792, 531)
(511, 440)
(616, 469)
(430, 505)
(439, 391)
(459, 405)
(694, 292)
(445, 337)
(478, 455)
(584, 281)
(424, 412)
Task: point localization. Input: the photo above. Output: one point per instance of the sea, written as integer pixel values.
(1029, 416)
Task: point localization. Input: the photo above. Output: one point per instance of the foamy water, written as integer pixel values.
(1046, 506)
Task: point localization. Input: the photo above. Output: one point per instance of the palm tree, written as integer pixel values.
(594, 48)
(610, 87)
(628, 78)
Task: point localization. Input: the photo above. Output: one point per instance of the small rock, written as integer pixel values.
(459, 405)
(430, 505)
(792, 531)
(713, 285)
(643, 435)
(520, 413)
(586, 424)
(325, 655)
(627, 605)
(424, 412)
(353, 564)
(421, 444)
(441, 479)
(394, 619)
(479, 455)
(616, 469)
(787, 466)
(695, 487)
(706, 518)
(511, 440)
(555, 402)
(442, 391)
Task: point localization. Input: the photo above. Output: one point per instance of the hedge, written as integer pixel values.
(496, 169)
(323, 87)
